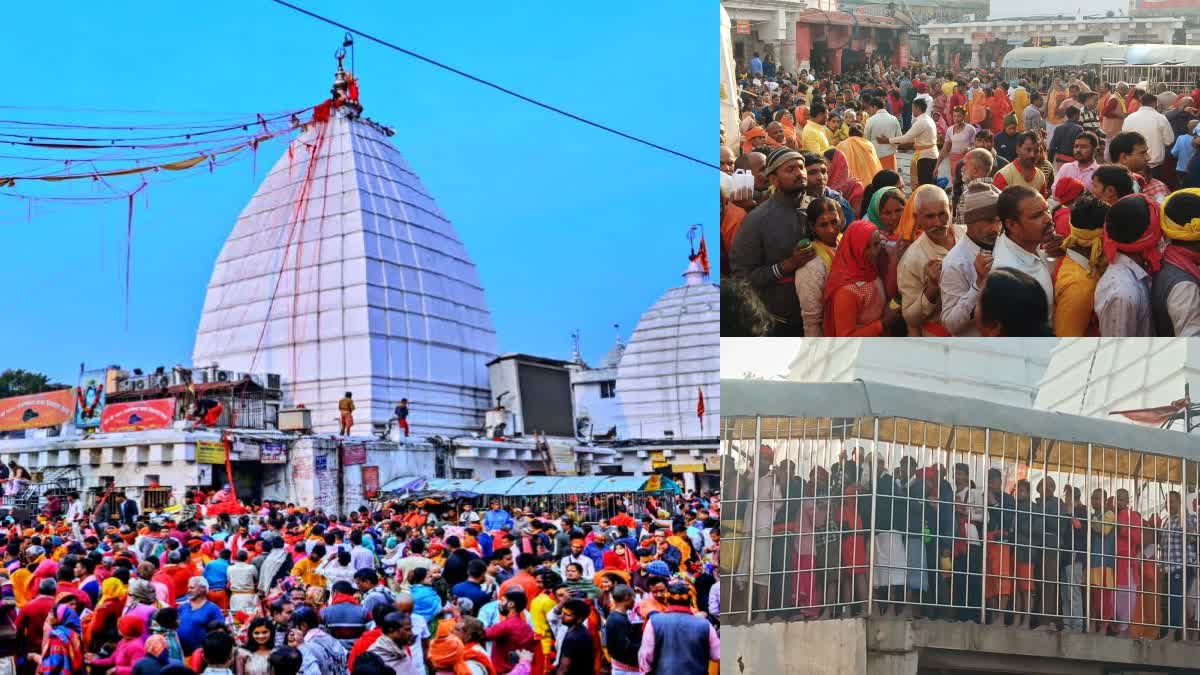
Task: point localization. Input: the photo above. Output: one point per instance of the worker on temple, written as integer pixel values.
(346, 408)
(401, 413)
(208, 411)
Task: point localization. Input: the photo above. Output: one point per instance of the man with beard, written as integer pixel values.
(1027, 226)
(1063, 143)
(1175, 293)
(512, 633)
(1085, 164)
(920, 271)
(1024, 171)
(817, 185)
(1079, 270)
(1131, 238)
(767, 250)
(966, 266)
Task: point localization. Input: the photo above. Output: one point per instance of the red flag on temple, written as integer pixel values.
(700, 404)
(703, 255)
(1157, 416)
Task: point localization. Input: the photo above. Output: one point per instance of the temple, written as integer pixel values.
(342, 274)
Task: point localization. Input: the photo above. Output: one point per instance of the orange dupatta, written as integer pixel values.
(907, 229)
(861, 157)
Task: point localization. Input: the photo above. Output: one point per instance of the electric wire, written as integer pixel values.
(497, 87)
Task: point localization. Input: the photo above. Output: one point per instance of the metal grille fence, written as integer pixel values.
(828, 517)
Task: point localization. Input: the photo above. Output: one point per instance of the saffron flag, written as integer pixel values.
(700, 404)
(1158, 415)
(703, 256)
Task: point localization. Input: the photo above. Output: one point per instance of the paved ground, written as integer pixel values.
(904, 159)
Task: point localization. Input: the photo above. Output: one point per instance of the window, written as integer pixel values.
(608, 389)
(501, 473)
(463, 474)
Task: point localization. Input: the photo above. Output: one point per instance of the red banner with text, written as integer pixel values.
(155, 413)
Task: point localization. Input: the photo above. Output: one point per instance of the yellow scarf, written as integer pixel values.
(824, 253)
(1189, 231)
(1091, 238)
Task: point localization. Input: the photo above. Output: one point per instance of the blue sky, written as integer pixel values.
(599, 239)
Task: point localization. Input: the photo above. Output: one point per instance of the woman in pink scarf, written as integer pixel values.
(842, 180)
(47, 569)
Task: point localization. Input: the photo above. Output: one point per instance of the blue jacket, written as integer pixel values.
(497, 520)
(596, 553)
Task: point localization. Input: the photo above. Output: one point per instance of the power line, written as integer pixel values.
(493, 85)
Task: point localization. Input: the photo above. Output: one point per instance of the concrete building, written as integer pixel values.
(1094, 377)
(816, 34)
(342, 274)
(1002, 371)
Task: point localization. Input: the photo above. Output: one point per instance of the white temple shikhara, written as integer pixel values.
(673, 354)
(342, 274)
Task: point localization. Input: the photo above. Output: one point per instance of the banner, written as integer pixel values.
(210, 452)
(47, 409)
(89, 397)
(273, 453)
(354, 453)
(562, 456)
(155, 413)
(370, 481)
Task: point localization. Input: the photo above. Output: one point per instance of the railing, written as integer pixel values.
(894, 516)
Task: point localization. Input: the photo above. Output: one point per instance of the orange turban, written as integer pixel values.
(446, 650)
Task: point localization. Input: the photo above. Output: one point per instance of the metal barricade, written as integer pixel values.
(834, 517)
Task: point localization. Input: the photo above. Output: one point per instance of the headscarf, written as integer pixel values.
(1092, 237)
(1020, 102)
(142, 591)
(1068, 190)
(446, 650)
(876, 202)
(907, 229)
(1189, 231)
(748, 138)
(156, 645)
(1122, 218)
(1184, 258)
(612, 561)
(131, 626)
(850, 264)
(67, 617)
(46, 569)
(840, 178)
(861, 157)
(113, 589)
